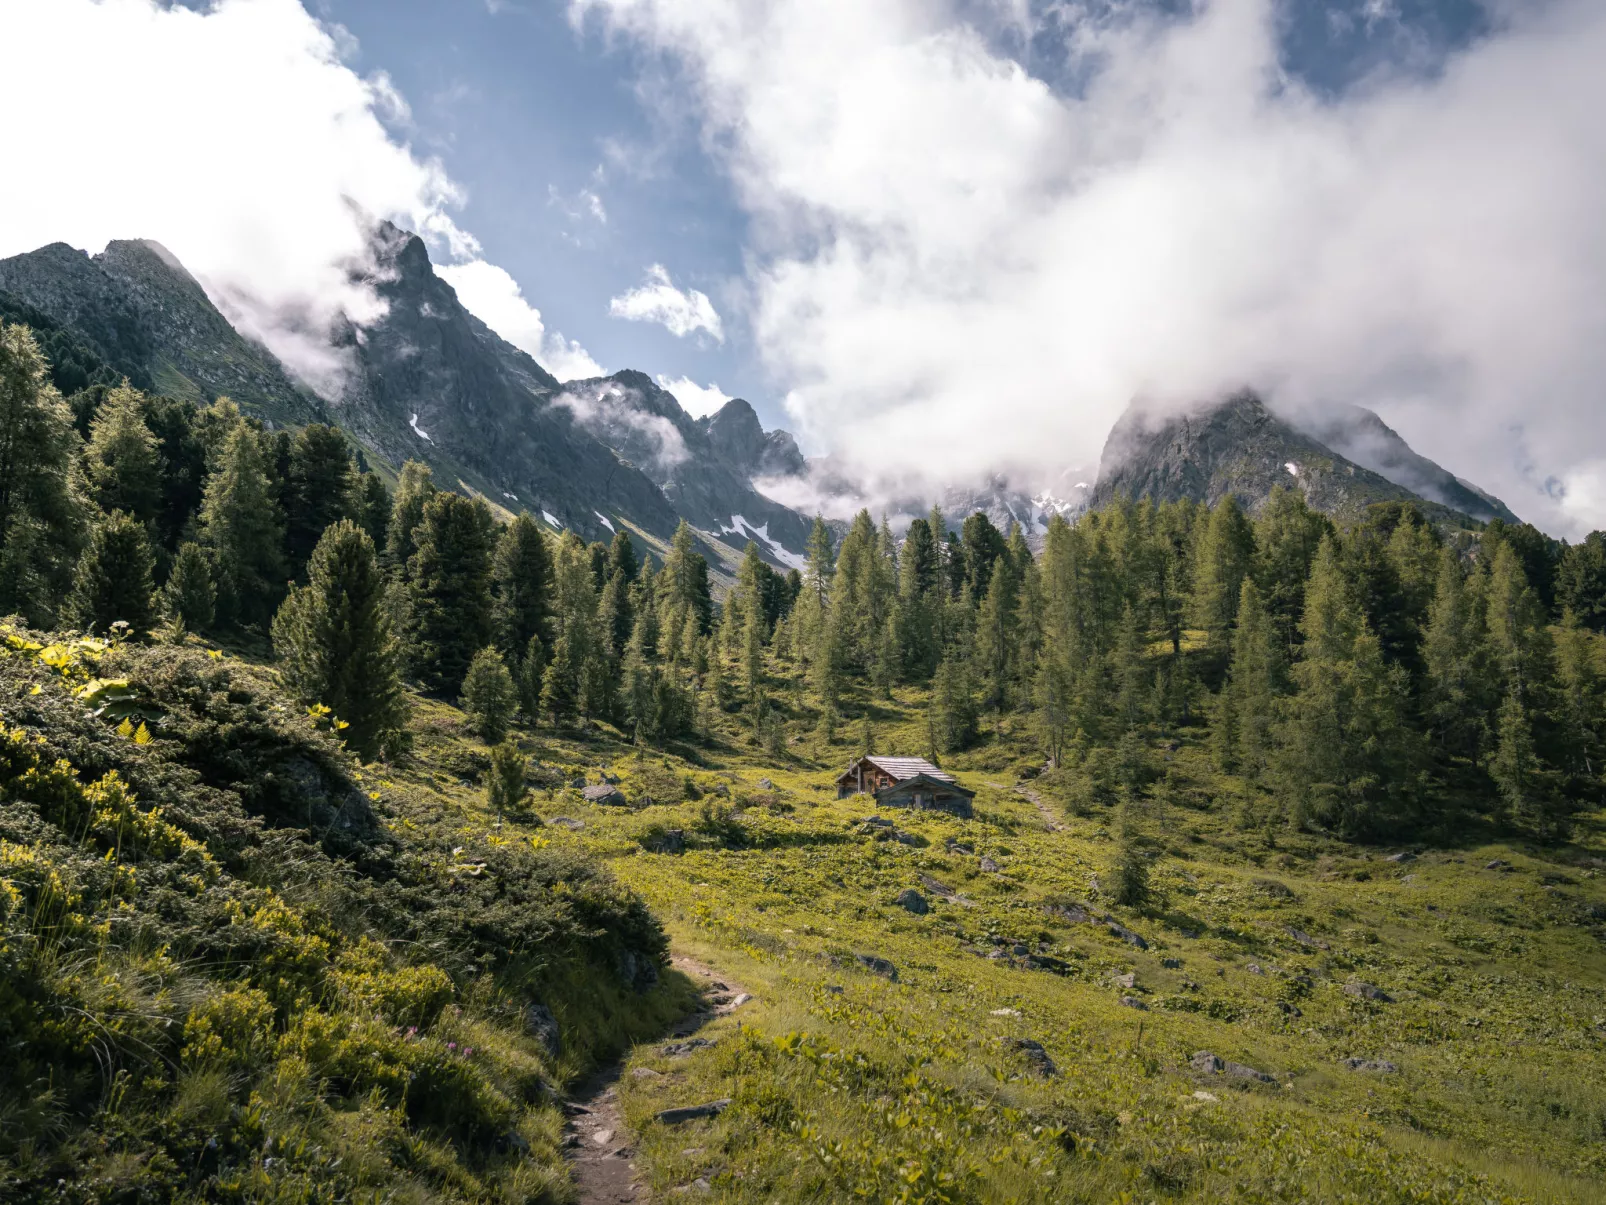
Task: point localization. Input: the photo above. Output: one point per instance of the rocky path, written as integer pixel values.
(599, 1147)
(1036, 800)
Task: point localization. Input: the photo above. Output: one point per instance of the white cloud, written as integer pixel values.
(682, 312)
(236, 136)
(696, 400)
(953, 257)
(496, 299)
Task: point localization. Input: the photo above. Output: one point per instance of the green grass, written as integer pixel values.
(847, 1086)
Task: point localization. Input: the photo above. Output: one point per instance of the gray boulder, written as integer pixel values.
(877, 966)
(604, 794)
(541, 1025)
(1036, 1058)
(1367, 991)
(692, 1112)
(912, 901)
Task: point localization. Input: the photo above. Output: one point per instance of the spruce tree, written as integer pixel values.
(242, 528)
(505, 787)
(1581, 581)
(1287, 535)
(449, 591)
(1129, 875)
(319, 490)
(122, 461)
(335, 643)
(114, 577)
(532, 670)
(952, 714)
(41, 512)
(1457, 691)
(189, 594)
(995, 637)
(489, 696)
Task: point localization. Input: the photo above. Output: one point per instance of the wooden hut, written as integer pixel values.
(910, 782)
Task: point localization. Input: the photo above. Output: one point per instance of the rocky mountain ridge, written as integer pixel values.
(1240, 446)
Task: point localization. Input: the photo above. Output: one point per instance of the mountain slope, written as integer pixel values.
(150, 320)
(1240, 447)
(705, 468)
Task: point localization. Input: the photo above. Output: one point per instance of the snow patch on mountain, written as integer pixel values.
(417, 430)
(761, 533)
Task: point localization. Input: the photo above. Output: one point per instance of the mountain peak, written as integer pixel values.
(1240, 446)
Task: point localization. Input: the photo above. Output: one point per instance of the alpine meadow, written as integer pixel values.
(1117, 718)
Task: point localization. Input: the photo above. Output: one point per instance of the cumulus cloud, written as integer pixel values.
(956, 258)
(681, 312)
(493, 296)
(237, 137)
(615, 414)
(697, 400)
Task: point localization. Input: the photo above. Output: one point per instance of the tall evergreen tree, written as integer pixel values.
(1226, 554)
(242, 528)
(1457, 691)
(1255, 679)
(521, 581)
(189, 594)
(1287, 535)
(335, 643)
(449, 590)
(489, 695)
(319, 490)
(995, 637)
(114, 577)
(371, 508)
(41, 510)
(1581, 581)
(414, 488)
(122, 461)
(1345, 748)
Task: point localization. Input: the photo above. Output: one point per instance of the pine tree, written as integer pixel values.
(1129, 875)
(41, 511)
(1255, 679)
(1514, 765)
(189, 594)
(1345, 749)
(1225, 557)
(505, 786)
(1456, 687)
(489, 696)
(532, 671)
(319, 490)
(242, 528)
(1287, 535)
(995, 637)
(449, 589)
(1132, 677)
(122, 461)
(953, 704)
(114, 577)
(335, 644)
(414, 488)
(371, 508)
(1581, 581)
(521, 581)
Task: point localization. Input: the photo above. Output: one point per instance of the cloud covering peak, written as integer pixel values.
(984, 268)
(239, 138)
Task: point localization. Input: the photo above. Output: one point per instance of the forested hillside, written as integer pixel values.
(281, 919)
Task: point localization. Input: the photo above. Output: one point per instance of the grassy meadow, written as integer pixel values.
(1467, 981)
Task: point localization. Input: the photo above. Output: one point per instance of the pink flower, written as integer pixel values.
(451, 1045)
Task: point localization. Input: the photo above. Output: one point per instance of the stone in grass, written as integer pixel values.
(1208, 1063)
(1037, 1058)
(568, 822)
(1130, 979)
(1401, 857)
(1381, 1066)
(677, 1050)
(646, 1073)
(1134, 1002)
(935, 887)
(1127, 935)
(911, 900)
(1367, 991)
(877, 966)
(1288, 1010)
(692, 1112)
(988, 866)
(1171, 964)
(1497, 864)
(604, 795)
(541, 1025)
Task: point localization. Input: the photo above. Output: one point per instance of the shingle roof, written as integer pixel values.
(907, 767)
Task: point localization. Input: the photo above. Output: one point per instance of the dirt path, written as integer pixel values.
(599, 1148)
(1036, 800)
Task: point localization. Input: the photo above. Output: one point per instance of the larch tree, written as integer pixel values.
(319, 490)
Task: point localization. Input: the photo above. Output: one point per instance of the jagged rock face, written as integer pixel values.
(149, 319)
(432, 382)
(1237, 447)
(649, 429)
(735, 434)
(1363, 437)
